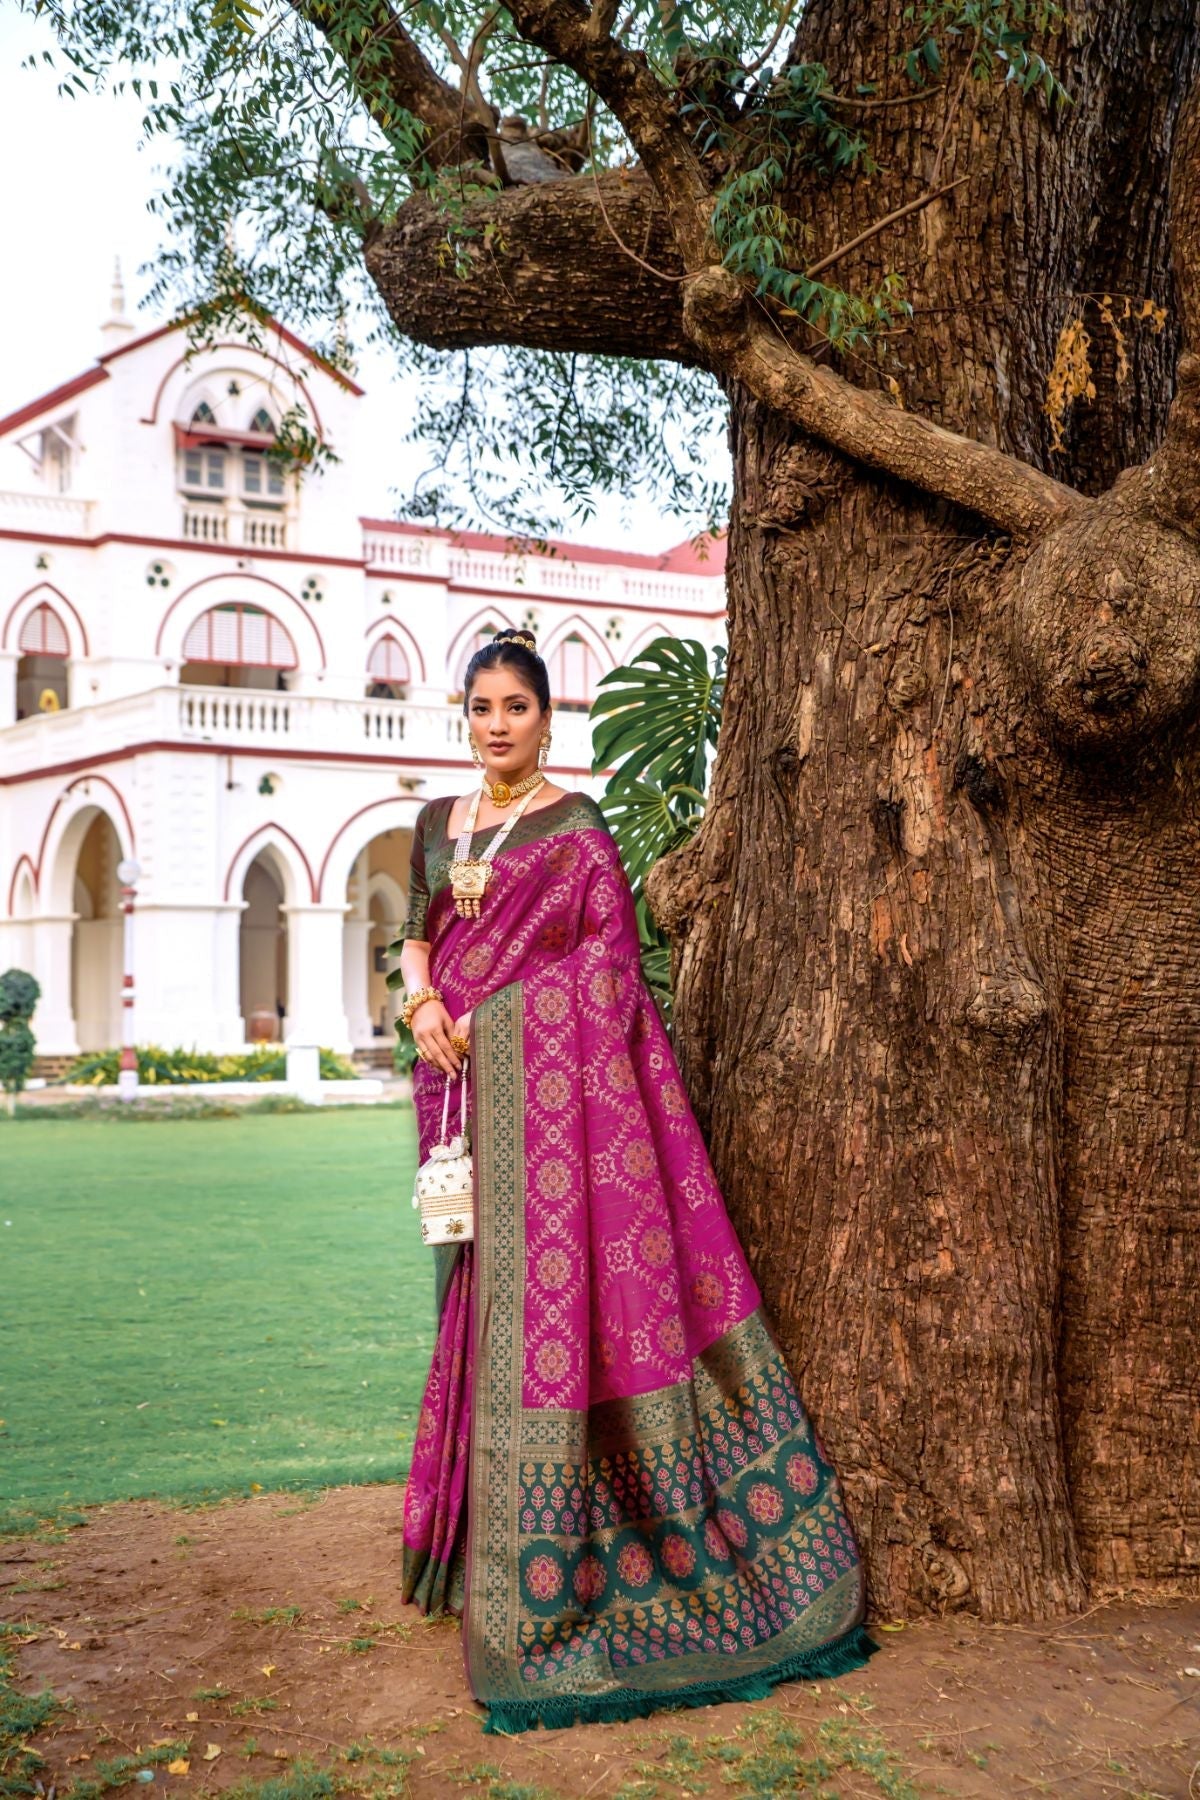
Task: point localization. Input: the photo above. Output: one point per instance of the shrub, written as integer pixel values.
(170, 1068)
(19, 995)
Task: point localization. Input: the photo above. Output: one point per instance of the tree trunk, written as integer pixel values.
(937, 984)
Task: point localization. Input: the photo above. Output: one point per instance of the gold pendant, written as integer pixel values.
(501, 793)
(468, 883)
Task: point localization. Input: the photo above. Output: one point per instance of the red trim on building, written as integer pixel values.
(245, 553)
(242, 348)
(246, 576)
(199, 437)
(265, 319)
(12, 886)
(371, 806)
(59, 595)
(680, 559)
(56, 397)
(277, 753)
(530, 595)
(88, 764)
(271, 825)
(386, 625)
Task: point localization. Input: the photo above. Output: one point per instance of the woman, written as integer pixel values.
(613, 1479)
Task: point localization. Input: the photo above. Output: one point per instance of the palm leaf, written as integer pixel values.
(657, 717)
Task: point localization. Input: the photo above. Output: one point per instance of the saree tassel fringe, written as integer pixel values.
(509, 1717)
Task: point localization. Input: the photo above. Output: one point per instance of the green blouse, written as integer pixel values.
(433, 851)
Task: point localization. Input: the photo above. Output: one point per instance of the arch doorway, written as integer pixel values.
(263, 951)
(96, 938)
(376, 907)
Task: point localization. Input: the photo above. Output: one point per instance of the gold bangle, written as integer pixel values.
(418, 998)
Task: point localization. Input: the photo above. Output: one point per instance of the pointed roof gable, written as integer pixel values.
(100, 371)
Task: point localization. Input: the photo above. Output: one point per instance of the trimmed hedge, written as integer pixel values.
(169, 1068)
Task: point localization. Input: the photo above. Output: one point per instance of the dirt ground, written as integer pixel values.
(267, 1630)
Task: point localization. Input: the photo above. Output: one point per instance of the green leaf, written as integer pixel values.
(658, 717)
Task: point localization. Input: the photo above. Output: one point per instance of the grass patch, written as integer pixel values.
(20, 1716)
(122, 1770)
(235, 1310)
(303, 1781)
(39, 1526)
(270, 1615)
(768, 1756)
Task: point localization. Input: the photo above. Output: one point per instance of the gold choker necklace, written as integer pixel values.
(500, 793)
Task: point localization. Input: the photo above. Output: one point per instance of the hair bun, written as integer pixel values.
(522, 636)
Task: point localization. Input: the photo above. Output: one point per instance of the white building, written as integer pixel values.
(231, 677)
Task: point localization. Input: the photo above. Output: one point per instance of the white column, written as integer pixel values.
(8, 687)
(187, 975)
(315, 1011)
(54, 1020)
(356, 949)
(229, 1027)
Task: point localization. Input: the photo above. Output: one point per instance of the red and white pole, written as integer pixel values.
(127, 1077)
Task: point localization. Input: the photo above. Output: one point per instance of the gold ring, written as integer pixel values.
(460, 1044)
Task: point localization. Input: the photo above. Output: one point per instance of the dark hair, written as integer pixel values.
(506, 652)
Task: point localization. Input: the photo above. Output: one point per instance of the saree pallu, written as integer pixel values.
(613, 1476)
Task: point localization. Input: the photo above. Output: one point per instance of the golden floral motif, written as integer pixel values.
(553, 1179)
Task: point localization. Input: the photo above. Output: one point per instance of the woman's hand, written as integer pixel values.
(432, 1027)
(462, 1027)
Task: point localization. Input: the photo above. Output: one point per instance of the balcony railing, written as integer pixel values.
(210, 524)
(57, 515)
(231, 718)
(534, 576)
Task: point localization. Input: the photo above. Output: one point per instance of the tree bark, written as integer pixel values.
(587, 264)
(937, 984)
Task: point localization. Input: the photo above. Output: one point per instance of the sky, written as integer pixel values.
(74, 198)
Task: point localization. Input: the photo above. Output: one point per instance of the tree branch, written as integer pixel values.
(746, 347)
(629, 88)
(383, 57)
(547, 271)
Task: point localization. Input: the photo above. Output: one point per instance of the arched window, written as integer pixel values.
(43, 648)
(204, 414)
(262, 421)
(574, 669)
(387, 670)
(476, 641)
(237, 646)
(43, 634)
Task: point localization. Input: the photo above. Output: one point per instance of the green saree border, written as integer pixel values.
(493, 1578)
(503, 1435)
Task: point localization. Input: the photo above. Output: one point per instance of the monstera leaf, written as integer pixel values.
(653, 723)
(657, 717)
(647, 821)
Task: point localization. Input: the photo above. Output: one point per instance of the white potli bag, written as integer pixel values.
(444, 1193)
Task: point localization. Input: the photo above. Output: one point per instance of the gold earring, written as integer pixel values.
(475, 756)
(544, 751)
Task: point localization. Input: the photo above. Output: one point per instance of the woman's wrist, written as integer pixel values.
(417, 998)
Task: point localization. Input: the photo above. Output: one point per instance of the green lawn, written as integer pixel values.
(188, 1307)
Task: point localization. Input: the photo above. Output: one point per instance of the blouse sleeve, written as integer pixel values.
(418, 886)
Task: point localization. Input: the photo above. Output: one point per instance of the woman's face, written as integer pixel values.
(506, 723)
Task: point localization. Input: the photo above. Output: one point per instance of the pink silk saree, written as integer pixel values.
(613, 1478)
